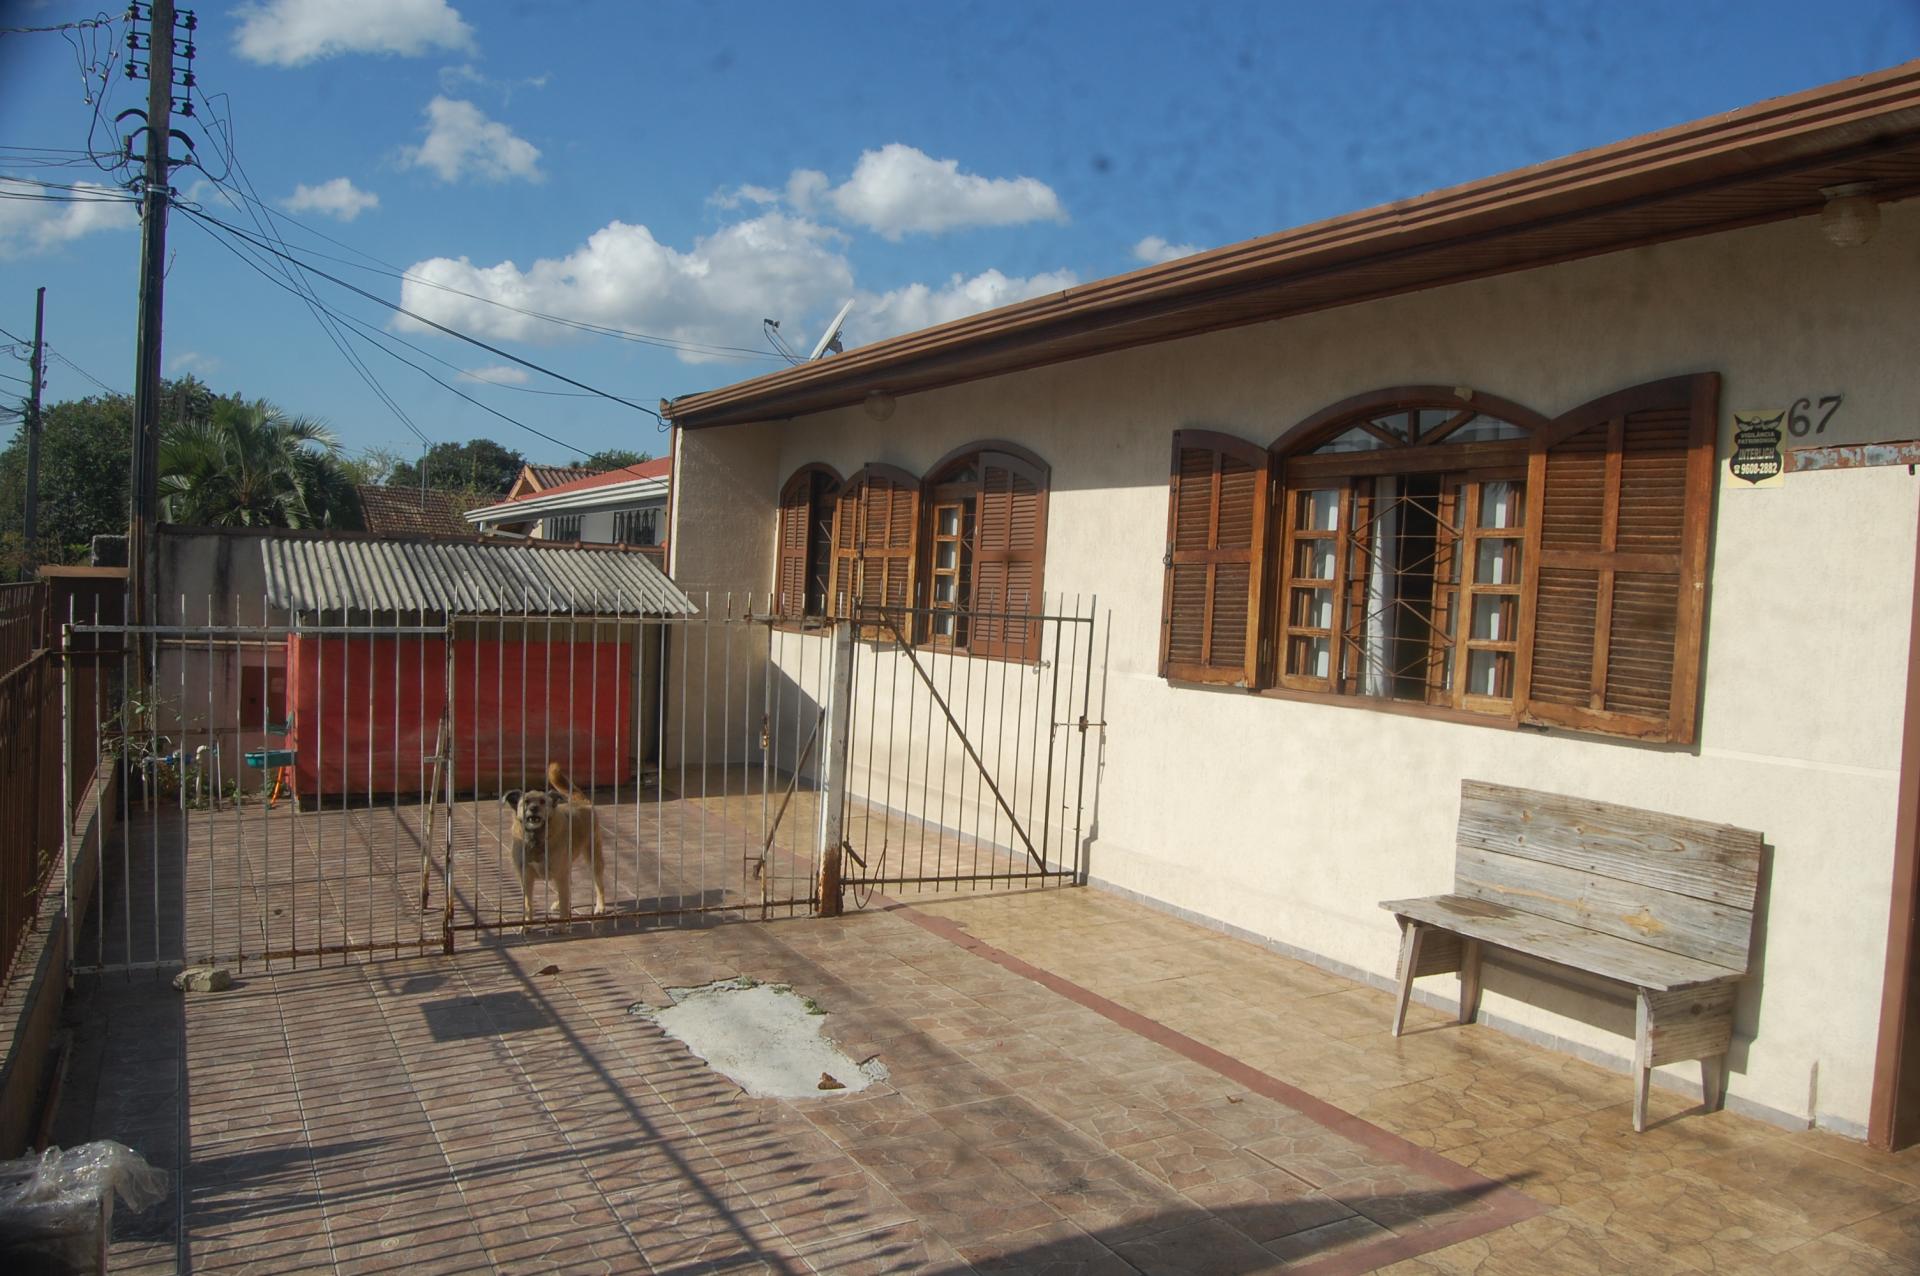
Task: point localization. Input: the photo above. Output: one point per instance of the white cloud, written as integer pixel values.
(35, 225)
(338, 198)
(295, 32)
(805, 187)
(455, 79)
(462, 142)
(898, 189)
(1153, 250)
(497, 374)
(714, 293)
(193, 361)
(741, 195)
(918, 306)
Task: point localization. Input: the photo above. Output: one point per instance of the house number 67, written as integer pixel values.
(1800, 423)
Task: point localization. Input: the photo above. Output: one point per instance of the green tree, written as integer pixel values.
(478, 468)
(252, 465)
(85, 450)
(375, 465)
(613, 458)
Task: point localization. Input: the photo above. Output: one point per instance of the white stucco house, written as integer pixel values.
(1247, 452)
(627, 506)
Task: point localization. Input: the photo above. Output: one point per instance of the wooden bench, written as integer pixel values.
(1657, 902)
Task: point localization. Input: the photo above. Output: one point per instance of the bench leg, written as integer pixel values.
(1713, 1082)
(1642, 1058)
(1469, 979)
(1412, 934)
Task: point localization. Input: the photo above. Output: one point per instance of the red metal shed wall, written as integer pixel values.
(365, 710)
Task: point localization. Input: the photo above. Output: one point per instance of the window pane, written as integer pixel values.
(949, 518)
(1433, 418)
(1494, 617)
(1501, 504)
(1394, 423)
(1485, 429)
(1352, 439)
(945, 555)
(1308, 657)
(1497, 562)
(1490, 673)
(943, 589)
(943, 624)
(1312, 609)
(1313, 560)
(1319, 510)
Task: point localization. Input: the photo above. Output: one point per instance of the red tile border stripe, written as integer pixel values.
(1507, 1205)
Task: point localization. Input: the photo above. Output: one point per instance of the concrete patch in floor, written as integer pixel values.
(768, 1039)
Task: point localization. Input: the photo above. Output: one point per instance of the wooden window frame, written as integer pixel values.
(937, 490)
(1463, 471)
(784, 559)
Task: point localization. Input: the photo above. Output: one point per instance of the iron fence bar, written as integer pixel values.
(66, 783)
(257, 631)
(965, 743)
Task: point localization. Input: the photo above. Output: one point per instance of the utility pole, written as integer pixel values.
(155, 194)
(36, 369)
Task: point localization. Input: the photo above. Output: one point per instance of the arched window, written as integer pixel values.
(1456, 551)
(803, 573)
(985, 550)
(1402, 528)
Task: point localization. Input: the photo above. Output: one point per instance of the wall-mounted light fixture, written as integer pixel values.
(1850, 215)
(879, 405)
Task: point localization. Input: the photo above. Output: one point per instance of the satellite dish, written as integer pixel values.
(830, 339)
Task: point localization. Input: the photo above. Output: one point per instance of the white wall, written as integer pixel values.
(1292, 820)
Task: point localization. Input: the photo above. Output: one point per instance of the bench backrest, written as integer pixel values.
(1681, 886)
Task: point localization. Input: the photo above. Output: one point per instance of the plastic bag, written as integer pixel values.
(56, 1209)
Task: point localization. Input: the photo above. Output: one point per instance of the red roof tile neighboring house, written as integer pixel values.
(542, 478)
(407, 511)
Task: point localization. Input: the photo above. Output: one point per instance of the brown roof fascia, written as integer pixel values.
(1864, 117)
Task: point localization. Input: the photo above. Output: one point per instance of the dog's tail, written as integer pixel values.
(561, 784)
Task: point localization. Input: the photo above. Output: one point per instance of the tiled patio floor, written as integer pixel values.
(1078, 1084)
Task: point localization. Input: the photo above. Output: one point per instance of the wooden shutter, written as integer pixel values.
(790, 575)
(1010, 533)
(843, 584)
(1622, 505)
(874, 544)
(1217, 498)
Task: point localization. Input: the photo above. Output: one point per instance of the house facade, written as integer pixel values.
(1456, 489)
(618, 507)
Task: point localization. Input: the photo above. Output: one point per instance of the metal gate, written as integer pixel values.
(312, 790)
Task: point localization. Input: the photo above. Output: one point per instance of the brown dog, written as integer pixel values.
(551, 831)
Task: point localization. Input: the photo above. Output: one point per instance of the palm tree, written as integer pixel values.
(252, 465)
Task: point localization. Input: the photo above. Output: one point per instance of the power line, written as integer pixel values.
(320, 313)
(83, 372)
(420, 318)
(392, 271)
(375, 338)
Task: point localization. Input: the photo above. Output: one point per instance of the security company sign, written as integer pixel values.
(1756, 459)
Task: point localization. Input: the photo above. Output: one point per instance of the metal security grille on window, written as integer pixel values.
(635, 527)
(1400, 544)
(564, 528)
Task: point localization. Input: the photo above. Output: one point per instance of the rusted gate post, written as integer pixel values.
(833, 776)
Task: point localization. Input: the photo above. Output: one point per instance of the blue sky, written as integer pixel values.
(680, 171)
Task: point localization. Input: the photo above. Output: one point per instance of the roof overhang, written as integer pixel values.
(608, 496)
(1762, 163)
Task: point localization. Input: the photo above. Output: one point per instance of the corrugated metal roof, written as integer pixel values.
(464, 578)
